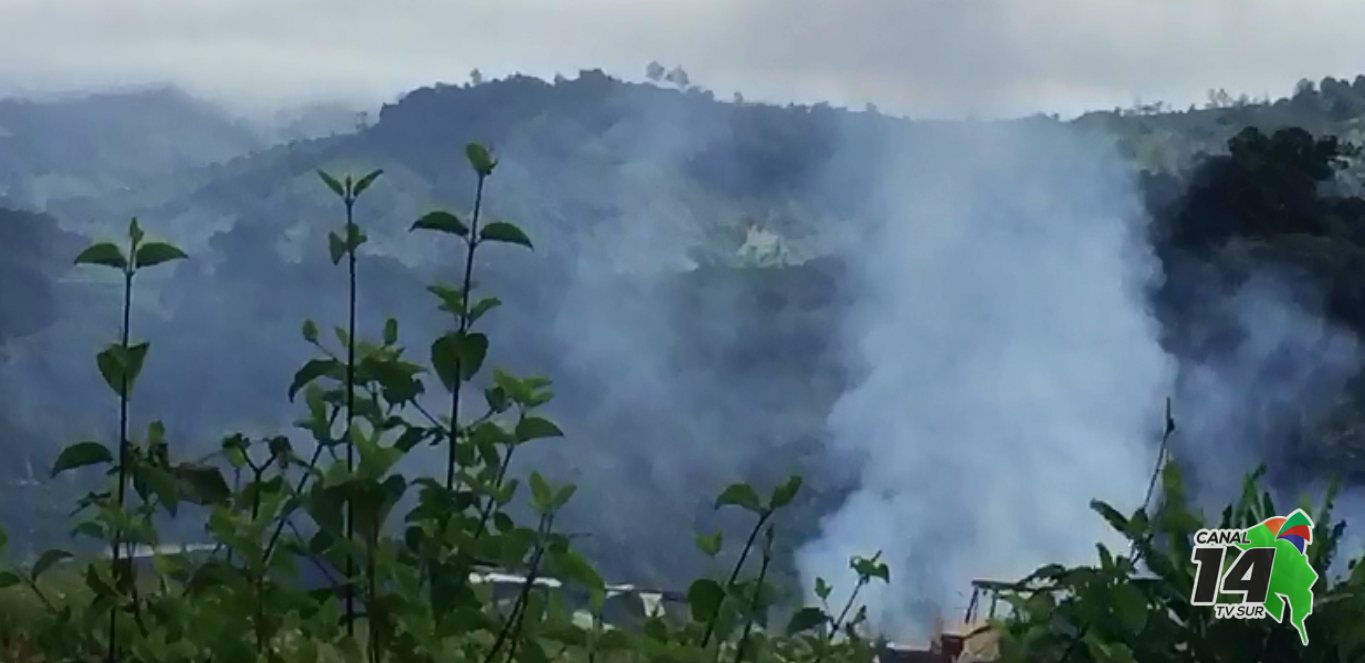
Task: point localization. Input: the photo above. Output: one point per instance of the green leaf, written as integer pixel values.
(105, 254)
(822, 588)
(1131, 607)
(365, 183)
(783, 494)
(502, 231)
(155, 253)
(483, 306)
(332, 184)
(121, 365)
(337, 247)
(458, 356)
(806, 619)
(135, 231)
(496, 398)
(710, 544)
(311, 371)
(480, 159)
(8, 579)
(390, 331)
(1111, 515)
(532, 428)
(81, 454)
(310, 331)
(569, 566)
(355, 237)
(441, 221)
(162, 484)
(46, 561)
(206, 484)
(742, 495)
(869, 567)
(451, 299)
(410, 438)
(542, 496)
(704, 597)
(562, 496)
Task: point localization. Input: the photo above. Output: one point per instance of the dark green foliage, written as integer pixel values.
(399, 585)
(1136, 607)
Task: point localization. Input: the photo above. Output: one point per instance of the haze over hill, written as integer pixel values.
(948, 327)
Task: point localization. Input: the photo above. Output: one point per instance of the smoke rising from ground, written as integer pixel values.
(1010, 370)
(1271, 367)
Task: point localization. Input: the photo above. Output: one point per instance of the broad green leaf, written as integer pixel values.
(313, 370)
(410, 439)
(1131, 607)
(806, 619)
(496, 398)
(155, 253)
(97, 582)
(563, 495)
(822, 588)
(710, 544)
(458, 356)
(365, 183)
(483, 306)
(450, 298)
(704, 597)
(46, 561)
(8, 579)
(162, 484)
(337, 247)
(205, 484)
(105, 254)
(569, 566)
(332, 183)
(281, 448)
(442, 221)
(1115, 519)
(120, 366)
(783, 494)
(310, 331)
(742, 495)
(870, 567)
(542, 496)
(480, 159)
(502, 231)
(81, 454)
(355, 237)
(390, 331)
(532, 428)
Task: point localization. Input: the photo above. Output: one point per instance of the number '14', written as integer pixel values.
(1249, 574)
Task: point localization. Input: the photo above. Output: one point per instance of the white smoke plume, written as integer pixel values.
(1011, 370)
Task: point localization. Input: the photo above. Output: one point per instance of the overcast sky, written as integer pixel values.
(919, 57)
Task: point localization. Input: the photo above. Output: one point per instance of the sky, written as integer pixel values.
(915, 57)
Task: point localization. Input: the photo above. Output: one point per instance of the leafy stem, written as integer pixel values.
(466, 285)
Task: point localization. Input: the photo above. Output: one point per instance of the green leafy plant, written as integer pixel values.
(1136, 607)
(410, 588)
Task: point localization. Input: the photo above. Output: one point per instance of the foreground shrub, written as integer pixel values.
(395, 588)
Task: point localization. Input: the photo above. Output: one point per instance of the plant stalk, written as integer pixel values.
(350, 408)
(734, 573)
(472, 242)
(113, 653)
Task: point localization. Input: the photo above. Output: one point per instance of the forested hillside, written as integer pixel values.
(698, 266)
